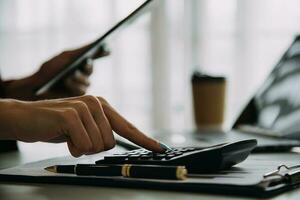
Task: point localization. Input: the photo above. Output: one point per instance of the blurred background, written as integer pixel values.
(147, 77)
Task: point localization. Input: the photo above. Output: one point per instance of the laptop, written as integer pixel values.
(273, 114)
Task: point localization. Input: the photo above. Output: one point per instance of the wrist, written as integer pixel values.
(23, 89)
(8, 119)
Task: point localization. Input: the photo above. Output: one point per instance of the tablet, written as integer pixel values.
(76, 63)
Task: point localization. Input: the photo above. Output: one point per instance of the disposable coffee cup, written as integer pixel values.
(209, 94)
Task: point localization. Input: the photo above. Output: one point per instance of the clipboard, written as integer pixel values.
(259, 176)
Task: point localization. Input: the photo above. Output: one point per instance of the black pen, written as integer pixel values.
(126, 170)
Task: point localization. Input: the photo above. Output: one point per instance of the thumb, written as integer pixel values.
(102, 51)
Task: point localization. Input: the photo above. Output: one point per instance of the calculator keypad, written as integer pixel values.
(145, 155)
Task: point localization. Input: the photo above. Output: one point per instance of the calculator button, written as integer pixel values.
(169, 156)
(120, 154)
(159, 155)
(178, 149)
(183, 150)
(132, 153)
(146, 157)
(178, 153)
(169, 151)
(158, 158)
(191, 149)
(133, 157)
(115, 158)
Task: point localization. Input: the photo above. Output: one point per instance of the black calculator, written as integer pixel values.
(195, 159)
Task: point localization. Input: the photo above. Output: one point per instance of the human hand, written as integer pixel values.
(85, 123)
(73, 85)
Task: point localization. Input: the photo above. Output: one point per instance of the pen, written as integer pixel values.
(132, 171)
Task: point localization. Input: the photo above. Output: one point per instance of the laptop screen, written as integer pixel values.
(278, 101)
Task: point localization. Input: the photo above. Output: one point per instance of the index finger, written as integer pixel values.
(127, 130)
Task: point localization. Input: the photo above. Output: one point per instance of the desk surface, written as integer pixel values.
(22, 191)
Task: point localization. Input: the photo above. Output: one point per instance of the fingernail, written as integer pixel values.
(164, 146)
(105, 48)
(89, 61)
(78, 74)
